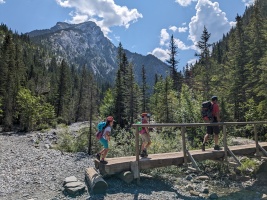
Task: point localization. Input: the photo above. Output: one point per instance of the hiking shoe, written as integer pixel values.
(145, 153)
(103, 162)
(97, 156)
(203, 147)
(142, 154)
(217, 147)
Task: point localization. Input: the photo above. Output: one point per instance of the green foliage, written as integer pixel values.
(122, 144)
(69, 142)
(190, 106)
(107, 106)
(252, 111)
(221, 168)
(32, 111)
(164, 101)
(249, 166)
(165, 140)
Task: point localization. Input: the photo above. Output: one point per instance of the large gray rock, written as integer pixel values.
(73, 186)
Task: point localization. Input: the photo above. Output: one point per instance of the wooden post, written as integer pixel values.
(136, 144)
(184, 144)
(137, 153)
(256, 140)
(225, 142)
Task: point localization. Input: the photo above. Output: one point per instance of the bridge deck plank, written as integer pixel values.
(119, 164)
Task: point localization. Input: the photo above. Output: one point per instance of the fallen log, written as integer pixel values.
(95, 181)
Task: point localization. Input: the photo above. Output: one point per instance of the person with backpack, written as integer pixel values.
(145, 136)
(212, 116)
(105, 138)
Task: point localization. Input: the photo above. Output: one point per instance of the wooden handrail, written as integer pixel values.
(183, 130)
(196, 124)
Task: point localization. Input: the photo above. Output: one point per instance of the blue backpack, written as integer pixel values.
(100, 130)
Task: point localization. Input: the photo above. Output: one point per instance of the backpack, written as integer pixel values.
(206, 111)
(139, 128)
(100, 130)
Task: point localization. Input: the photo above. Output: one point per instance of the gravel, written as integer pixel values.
(30, 172)
(36, 172)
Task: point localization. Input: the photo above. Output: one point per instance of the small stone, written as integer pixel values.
(75, 190)
(264, 196)
(189, 178)
(188, 188)
(73, 184)
(70, 179)
(243, 178)
(203, 178)
(194, 193)
(205, 190)
(213, 196)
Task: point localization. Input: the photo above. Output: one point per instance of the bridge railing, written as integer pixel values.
(183, 131)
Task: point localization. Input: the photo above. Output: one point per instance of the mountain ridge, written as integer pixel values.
(85, 44)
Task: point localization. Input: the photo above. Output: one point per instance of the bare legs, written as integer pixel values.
(145, 145)
(104, 153)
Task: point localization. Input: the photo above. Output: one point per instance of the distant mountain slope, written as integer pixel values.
(85, 44)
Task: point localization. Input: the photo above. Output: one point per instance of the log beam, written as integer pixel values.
(95, 181)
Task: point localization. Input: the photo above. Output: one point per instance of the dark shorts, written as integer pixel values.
(213, 129)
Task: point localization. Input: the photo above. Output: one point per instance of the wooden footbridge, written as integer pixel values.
(134, 164)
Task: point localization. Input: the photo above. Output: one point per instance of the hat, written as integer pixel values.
(213, 98)
(144, 114)
(110, 119)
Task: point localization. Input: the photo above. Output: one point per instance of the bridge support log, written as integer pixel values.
(126, 176)
(95, 181)
(233, 155)
(192, 160)
(263, 150)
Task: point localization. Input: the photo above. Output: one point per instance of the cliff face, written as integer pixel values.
(85, 44)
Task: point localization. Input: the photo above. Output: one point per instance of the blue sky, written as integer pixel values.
(142, 26)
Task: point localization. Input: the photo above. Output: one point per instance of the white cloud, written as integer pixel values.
(160, 53)
(2, 1)
(182, 29)
(164, 37)
(173, 28)
(248, 2)
(184, 2)
(105, 13)
(192, 61)
(180, 44)
(210, 15)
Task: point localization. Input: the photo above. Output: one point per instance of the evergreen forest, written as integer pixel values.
(39, 90)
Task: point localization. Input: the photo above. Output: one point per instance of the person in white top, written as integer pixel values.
(104, 140)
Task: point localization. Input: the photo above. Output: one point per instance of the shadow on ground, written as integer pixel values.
(149, 188)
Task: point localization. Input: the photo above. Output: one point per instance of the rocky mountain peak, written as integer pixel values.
(85, 44)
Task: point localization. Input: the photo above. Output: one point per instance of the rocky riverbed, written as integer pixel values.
(36, 172)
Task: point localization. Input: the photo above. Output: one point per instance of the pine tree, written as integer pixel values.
(63, 99)
(144, 87)
(92, 107)
(204, 62)
(173, 62)
(239, 76)
(8, 81)
(256, 46)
